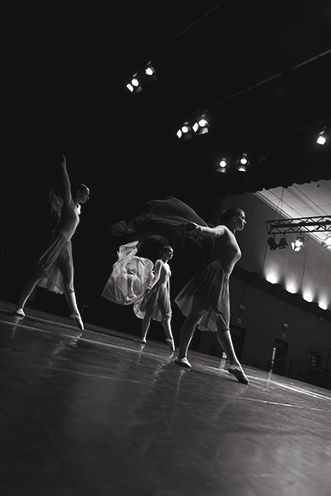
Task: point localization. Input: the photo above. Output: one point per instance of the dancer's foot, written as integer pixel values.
(238, 373)
(78, 320)
(171, 344)
(19, 312)
(183, 362)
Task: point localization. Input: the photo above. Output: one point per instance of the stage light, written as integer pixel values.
(134, 85)
(242, 164)
(297, 245)
(222, 166)
(185, 132)
(283, 243)
(321, 139)
(272, 243)
(327, 242)
(149, 70)
(141, 79)
(201, 126)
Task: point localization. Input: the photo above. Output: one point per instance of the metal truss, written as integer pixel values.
(300, 225)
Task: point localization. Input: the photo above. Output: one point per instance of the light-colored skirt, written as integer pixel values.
(209, 289)
(58, 266)
(156, 304)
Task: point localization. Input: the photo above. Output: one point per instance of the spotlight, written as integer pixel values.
(134, 85)
(321, 139)
(283, 243)
(242, 164)
(222, 166)
(297, 245)
(327, 242)
(272, 243)
(141, 79)
(148, 74)
(201, 126)
(185, 132)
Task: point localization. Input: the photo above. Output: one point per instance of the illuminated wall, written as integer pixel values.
(307, 272)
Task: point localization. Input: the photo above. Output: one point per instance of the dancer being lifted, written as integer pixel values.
(54, 268)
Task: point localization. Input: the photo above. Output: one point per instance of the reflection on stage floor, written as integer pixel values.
(98, 413)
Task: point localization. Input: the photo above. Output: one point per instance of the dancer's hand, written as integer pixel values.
(64, 161)
(191, 226)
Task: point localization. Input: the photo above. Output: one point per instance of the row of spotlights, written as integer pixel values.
(241, 165)
(187, 130)
(201, 126)
(296, 245)
(139, 79)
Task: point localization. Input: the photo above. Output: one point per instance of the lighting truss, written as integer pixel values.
(300, 225)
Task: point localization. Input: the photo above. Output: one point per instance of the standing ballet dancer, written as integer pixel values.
(156, 303)
(205, 298)
(54, 268)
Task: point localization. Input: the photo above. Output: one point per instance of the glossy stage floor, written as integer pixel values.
(97, 413)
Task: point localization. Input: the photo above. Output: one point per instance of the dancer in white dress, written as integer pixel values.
(136, 281)
(156, 303)
(54, 268)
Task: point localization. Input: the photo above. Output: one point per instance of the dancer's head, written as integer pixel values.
(166, 251)
(80, 192)
(234, 216)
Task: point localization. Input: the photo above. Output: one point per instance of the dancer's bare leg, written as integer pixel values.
(167, 328)
(224, 338)
(75, 315)
(186, 335)
(187, 331)
(144, 327)
(27, 291)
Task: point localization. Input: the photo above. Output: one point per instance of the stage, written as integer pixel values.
(96, 413)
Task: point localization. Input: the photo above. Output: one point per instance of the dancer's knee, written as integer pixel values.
(167, 317)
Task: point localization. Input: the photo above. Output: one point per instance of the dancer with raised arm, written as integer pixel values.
(54, 268)
(205, 298)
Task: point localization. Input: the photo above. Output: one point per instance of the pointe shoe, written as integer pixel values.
(171, 344)
(239, 374)
(18, 313)
(183, 362)
(78, 320)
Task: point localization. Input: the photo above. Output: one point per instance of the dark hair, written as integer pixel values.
(77, 187)
(165, 248)
(226, 215)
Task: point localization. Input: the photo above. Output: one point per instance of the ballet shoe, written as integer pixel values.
(183, 362)
(239, 374)
(171, 344)
(78, 320)
(18, 313)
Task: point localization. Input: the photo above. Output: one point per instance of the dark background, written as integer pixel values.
(261, 70)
